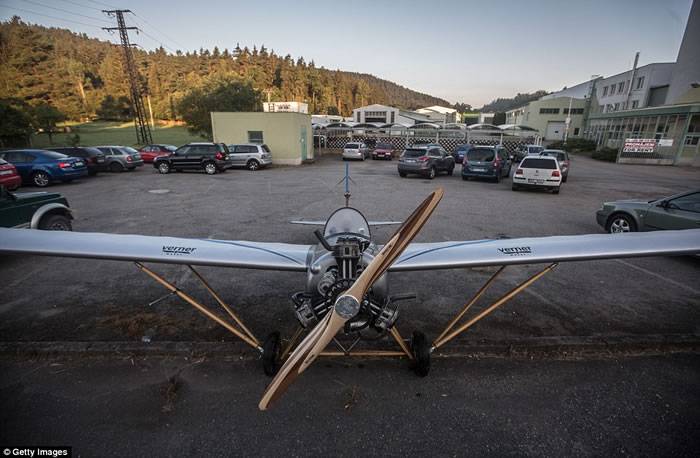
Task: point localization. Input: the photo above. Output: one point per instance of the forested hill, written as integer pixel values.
(503, 104)
(75, 73)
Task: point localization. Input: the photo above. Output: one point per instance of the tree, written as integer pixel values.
(227, 94)
(112, 109)
(15, 124)
(46, 117)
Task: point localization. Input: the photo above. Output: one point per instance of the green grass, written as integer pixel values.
(115, 133)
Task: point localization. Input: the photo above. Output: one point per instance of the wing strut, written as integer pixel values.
(243, 333)
(450, 333)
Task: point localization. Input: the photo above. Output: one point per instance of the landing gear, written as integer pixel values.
(420, 349)
(271, 353)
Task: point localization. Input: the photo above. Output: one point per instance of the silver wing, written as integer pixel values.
(170, 250)
(323, 223)
(450, 255)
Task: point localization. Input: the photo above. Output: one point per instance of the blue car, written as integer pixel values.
(460, 152)
(492, 162)
(41, 167)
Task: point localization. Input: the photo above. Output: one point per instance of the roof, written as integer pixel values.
(516, 127)
(425, 125)
(482, 126)
(437, 109)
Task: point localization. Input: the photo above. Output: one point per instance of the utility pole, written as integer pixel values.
(143, 130)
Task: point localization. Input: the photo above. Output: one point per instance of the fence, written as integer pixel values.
(404, 138)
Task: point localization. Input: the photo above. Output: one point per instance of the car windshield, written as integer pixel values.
(170, 147)
(352, 146)
(383, 146)
(414, 152)
(92, 150)
(54, 155)
(534, 149)
(463, 148)
(537, 163)
(129, 150)
(481, 155)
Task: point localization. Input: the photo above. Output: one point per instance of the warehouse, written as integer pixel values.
(288, 135)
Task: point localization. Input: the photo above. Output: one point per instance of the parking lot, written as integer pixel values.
(645, 301)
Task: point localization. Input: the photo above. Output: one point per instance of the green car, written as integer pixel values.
(681, 211)
(36, 210)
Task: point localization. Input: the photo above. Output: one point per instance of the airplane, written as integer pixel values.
(347, 276)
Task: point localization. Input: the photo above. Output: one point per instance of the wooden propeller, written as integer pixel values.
(348, 304)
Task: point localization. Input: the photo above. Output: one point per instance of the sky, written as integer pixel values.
(463, 51)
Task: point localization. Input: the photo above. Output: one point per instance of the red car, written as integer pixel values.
(383, 151)
(9, 178)
(150, 152)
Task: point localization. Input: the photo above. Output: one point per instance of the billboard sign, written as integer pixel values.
(639, 145)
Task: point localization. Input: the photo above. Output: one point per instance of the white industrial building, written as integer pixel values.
(286, 107)
(384, 114)
(441, 114)
(641, 87)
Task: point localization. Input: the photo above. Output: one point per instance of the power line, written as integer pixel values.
(141, 30)
(159, 31)
(83, 6)
(53, 17)
(101, 4)
(66, 11)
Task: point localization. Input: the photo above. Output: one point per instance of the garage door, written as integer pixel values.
(555, 131)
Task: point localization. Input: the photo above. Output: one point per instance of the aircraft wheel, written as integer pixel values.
(271, 353)
(420, 348)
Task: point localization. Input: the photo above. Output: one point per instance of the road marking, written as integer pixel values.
(660, 277)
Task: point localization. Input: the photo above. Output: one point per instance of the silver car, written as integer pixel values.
(121, 158)
(250, 155)
(355, 150)
(680, 211)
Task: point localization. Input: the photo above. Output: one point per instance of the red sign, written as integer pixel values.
(639, 145)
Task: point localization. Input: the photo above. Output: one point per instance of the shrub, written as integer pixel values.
(605, 154)
(574, 145)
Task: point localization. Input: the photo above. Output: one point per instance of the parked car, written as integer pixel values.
(250, 155)
(209, 157)
(491, 162)
(383, 151)
(460, 152)
(355, 150)
(564, 161)
(527, 150)
(42, 167)
(94, 158)
(35, 210)
(150, 152)
(680, 211)
(9, 177)
(426, 160)
(539, 172)
(121, 158)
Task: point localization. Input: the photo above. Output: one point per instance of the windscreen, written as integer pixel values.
(54, 155)
(129, 150)
(383, 146)
(352, 145)
(170, 147)
(537, 163)
(414, 153)
(481, 155)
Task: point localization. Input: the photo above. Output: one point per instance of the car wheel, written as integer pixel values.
(252, 165)
(451, 170)
(620, 223)
(498, 177)
(55, 222)
(164, 168)
(465, 178)
(563, 180)
(210, 168)
(41, 179)
(514, 188)
(402, 174)
(555, 191)
(432, 173)
(116, 167)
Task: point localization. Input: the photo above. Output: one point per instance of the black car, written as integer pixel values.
(427, 160)
(209, 157)
(94, 158)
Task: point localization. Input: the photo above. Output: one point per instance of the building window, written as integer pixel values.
(640, 82)
(358, 117)
(574, 111)
(605, 91)
(612, 89)
(621, 87)
(393, 113)
(549, 110)
(617, 106)
(635, 104)
(576, 131)
(255, 136)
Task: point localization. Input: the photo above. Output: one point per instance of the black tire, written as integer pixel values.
(252, 165)
(498, 177)
(55, 222)
(271, 354)
(402, 174)
(116, 167)
(451, 170)
(555, 191)
(209, 168)
(432, 173)
(515, 187)
(163, 168)
(563, 180)
(420, 348)
(41, 179)
(465, 178)
(621, 222)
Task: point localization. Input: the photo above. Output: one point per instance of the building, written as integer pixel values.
(286, 107)
(549, 117)
(486, 118)
(288, 135)
(666, 115)
(441, 114)
(325, 119)
(383, 114)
